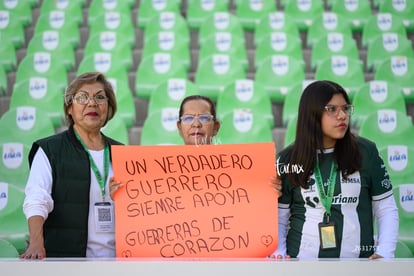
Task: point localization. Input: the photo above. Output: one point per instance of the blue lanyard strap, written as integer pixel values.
(326, 197)
(101, 180)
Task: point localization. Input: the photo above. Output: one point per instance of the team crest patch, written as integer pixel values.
(386, 183)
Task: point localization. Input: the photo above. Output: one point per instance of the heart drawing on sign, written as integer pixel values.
(267, 240)
(126, 254)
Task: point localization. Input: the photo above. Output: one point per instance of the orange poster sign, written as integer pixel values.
(195, 201)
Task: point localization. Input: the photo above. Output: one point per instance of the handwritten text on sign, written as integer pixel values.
(195, 201)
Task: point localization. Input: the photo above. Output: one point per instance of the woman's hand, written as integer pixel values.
(36, 249)
(113, 187)
(375, 256)
(277, 185)
(279, 257)
(34, 252)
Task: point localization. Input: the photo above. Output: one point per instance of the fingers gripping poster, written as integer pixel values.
(195, 201)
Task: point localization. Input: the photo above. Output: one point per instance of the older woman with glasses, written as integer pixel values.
(334, 185)
(67, 204)
(197, 122)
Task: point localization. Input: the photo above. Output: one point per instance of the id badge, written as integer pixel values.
(327, 235)
(104, 217)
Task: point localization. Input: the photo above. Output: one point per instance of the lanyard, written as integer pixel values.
(326, 198)
(101, 180)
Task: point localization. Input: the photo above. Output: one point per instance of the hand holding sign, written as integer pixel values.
(189, 201)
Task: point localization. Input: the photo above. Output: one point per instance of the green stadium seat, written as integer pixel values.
(7, 250)
(245, 94)
(116, 129)
(215, 72)
(54, 43)
(329, 3)
(14, 228)
(304, 13)
(403, 9)
(375, 95)
(110, 42)
(375, 3)
(348, 72)
(130, 2)
(403, 251)
(291, 102)
(154, 70)
(404, 198)
(114, 21)
(97, 6)
(199, 10)
(69, 7)
(104, 62)
(399, 161)
(165, 131)
(381, 23)
(275, 22)
(399, 70)
(8, 57)
(82, 2)
(13, 166)
(42, 93)
(244, 126)
(34, 3)
(25, 124)
(387, 127)
(11, 29)
(283, 3)
(327, 22)
(109, 4)
(278, 43)
(171, 43)
(220, 22)
(331, 44)
(224, 43)
(42, 64)
(58, 20)
(167, 21)
(279, 74)
(124, 98)
(170, 93)
(356, 12)
(383, 47)
(22, 9)
(249, 12)
(149, 8)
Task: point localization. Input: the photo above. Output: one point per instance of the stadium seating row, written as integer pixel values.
(278, 45)
(272, 67)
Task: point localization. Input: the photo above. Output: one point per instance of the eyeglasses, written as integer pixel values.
(83, 99)
(333, 110)
(203, 118)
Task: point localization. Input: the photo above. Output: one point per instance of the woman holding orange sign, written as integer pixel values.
(198, 125)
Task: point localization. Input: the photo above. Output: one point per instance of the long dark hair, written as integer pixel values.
(309, 135)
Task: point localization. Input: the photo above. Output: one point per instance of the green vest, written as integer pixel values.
(66, 228)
